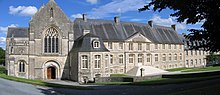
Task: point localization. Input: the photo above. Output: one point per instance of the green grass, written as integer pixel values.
(118, 75)
(195, 69)
(42, 83)
(160, 81)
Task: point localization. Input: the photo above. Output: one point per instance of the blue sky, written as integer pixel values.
(17, 13)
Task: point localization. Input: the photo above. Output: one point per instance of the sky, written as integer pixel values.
(17, 13)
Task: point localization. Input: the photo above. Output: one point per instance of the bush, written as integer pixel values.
(2, 70)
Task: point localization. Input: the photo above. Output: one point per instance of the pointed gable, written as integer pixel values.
(138, 37)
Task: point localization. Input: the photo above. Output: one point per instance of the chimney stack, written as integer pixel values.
(117, 19)
(84, 17)
(150, 23)
(174, 26)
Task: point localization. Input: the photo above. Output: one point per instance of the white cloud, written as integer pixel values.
(167, 22)
(137, 20)
(92, 1)
(5, 29)
(76, 16)
(2, 39)
(23, 10)
(116, 7)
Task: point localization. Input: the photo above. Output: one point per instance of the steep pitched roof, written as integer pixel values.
(110, 31)
(17, 32)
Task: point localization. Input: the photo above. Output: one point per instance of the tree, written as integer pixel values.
(212, 58)
(2, 56)
(194, 11)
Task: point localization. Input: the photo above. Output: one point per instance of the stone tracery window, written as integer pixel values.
(51, 41)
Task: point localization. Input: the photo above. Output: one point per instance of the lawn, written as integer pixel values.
(42, 83)
(160, 81)
(195, 69)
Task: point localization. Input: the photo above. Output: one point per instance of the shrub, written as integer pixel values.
(2, 70)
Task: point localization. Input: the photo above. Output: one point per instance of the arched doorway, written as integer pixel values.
(51, 73)
(51, 70)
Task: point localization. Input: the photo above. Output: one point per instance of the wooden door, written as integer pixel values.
(49, 73)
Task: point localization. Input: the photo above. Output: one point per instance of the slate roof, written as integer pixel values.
(17, 32)
(108, 30)
(84, 44)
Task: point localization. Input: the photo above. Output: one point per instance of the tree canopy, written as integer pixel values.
(192, 12)
(2, 56)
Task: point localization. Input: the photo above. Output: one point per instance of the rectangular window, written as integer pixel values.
(192, 52)
(106, 60)
(121, 59)
(147, 46)
(97, 61)
(53, 45)
(45, 45)
(180, 46)
(169, 46)
(110, 45)
(187, 52)
(175, 46)
(49, 45)
(187, 62)
(163, 46)
(156, 57)
(170, 57)
(139, 46)
(196, 61)
(164, 57)
(120, 45)
(130, 46)
(111, 59)
(175, 57)
(195, 52)
(84, 61)
(140, 58)
(181, 57)
(131, 58)
(148, 57)
(156, 46)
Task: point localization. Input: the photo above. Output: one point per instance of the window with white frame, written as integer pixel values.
(130, 46)
(84, 60)
(139, 46)
(111, 59)
(110, 45)
(191, 52)
(21, 66)
(200, 61)
(121, 59)
(170, 57)
(195, 52)
(187, 52)
(120, 45)
(175, 46)
(148, 57)
(156, 46)
(156, 57)
(106, 60)
(196, 61)
(140, 58)
(175, 57)
(147, 46)
(163, 46)
(191, 62)
(181, 56)
(169, 46)
(97, 61)
(51, 41)
(96, 44)
(131, 58)
(164, 57)
(187, 62)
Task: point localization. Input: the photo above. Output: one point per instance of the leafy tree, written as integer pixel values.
(194, 11)
(2, 56)
(212, 58)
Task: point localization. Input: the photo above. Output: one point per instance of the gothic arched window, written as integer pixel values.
(51, 12)
(21, 66)
(51, 41)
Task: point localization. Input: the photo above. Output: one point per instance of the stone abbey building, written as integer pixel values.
(54, 47)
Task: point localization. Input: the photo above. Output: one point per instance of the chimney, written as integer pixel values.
(150, 23)
(86, 32)
(117, 19)
(84, 17)
(174, 26)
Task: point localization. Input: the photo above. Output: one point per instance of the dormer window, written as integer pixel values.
(96, 44)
